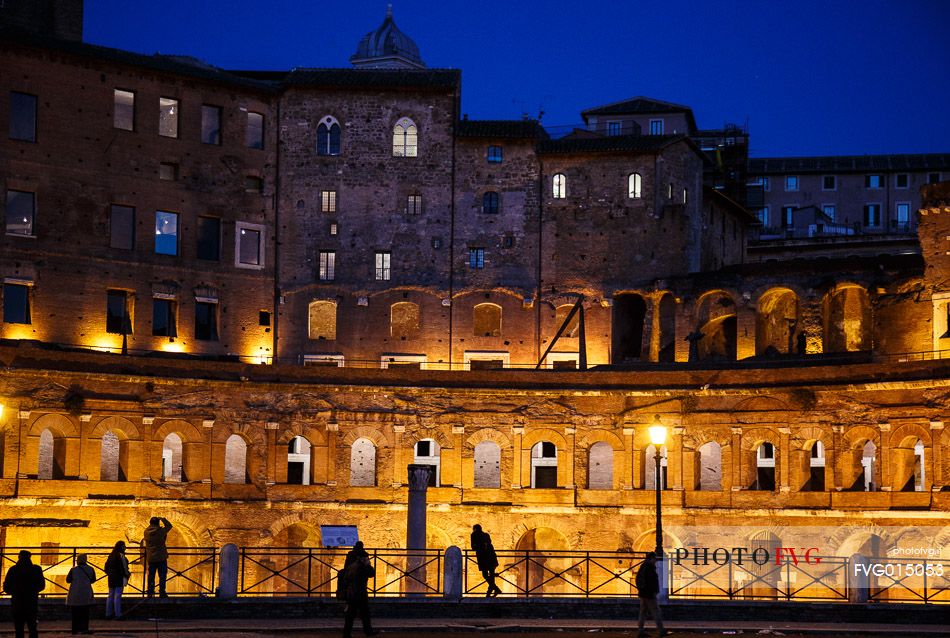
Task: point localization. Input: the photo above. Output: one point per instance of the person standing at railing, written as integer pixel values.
(357, 570)
(156, 554)
(117, 574)
(24, 581)
(648, 587)
(486, 558)
(80, 597)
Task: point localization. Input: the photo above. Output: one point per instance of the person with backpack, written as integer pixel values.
(486, 558)
(24, 581)
(648, 587)
(356, 572)
(80, 597)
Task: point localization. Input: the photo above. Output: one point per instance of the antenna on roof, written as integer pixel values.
(389, 10)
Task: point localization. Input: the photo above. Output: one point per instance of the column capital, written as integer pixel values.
(419, 476)
(736, 429)
(629, 431)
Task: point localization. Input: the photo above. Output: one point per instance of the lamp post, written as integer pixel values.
(658, 438)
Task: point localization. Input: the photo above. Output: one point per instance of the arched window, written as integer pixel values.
(559, 186)
(815, 474)
(544, 465)
(235, 460)
(560, 314)
(322, 324)
(710, 467)
(298, 461)
(328, 136)
(404, 320)
(649, 468)
(52, 456)
(112, 457)
(634, 186)
(600, 466)
(363, 463)
(172, 459)
(405, 138)
(765, 468)
(486, 319)
(487, 464)
(490, 203)
(426, 452)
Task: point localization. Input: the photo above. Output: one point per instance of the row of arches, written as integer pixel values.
(405, 137)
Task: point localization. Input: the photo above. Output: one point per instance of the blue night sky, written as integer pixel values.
(810, 77)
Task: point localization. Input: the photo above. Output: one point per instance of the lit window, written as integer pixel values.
(328, 137)
(414, 205)
(405, 138)
(763, 215)
(167, 117)
(22, 117)
(328, 201)
(254, 136)
(253, 184)
(495, 155)
(122, 227)
(166, 233)
(327, 265)
(634, 186)
(210, 124)
(788, 216)
(829, 183)
(206, 320)
(613, 128)
(123, 116)
(490, 203)
(16, 303)
(830, 210)
(476, 257)
(873, 181)
(902, 180)
(383, 260)
(669, 190)
(333, 228)
(559, 186)
(20, 214)
(656, 127)
(209, 238)
(903, 213)
(250, 245)
(791, 182)
(118, 312)
(168, 171)
(872, 215)
(164, 317)
(766, 183)
(686, 196)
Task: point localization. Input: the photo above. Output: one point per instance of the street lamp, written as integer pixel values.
(658, 438)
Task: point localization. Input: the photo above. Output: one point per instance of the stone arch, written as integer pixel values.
(314, 435)
(486, 460)
(535, 435)
(59, 424)
(534, 577)
(53, 447)
(187, 431)
(124, 428)
(363, 460)
(715, 319)
(810, 459)
(750, 473)
(377, 437)
(236, 460)
(601, 435)
(709, 457)
(296, 538)
(666, 340)
(871, 541)
(858, 470)
(645, 540)
(436, 434)
(404, 320)
(910, 458)
(600, 466)
(846, 319)
(321, 320)
(560, 315)
(488, 434)
(487, 320)
(778, 323)
(628, 317)
(113, 457)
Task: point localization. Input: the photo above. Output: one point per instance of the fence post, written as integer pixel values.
(228, 572)
(859, 580)
(452, 575)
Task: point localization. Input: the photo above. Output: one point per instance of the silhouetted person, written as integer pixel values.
(24, 581)
(648, 586)
(117, 575)
(357, 571)
(80, 597)
(486, 558)
(802, 342)
(156, 554)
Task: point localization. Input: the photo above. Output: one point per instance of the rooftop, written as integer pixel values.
(641, 105)
(848, 163)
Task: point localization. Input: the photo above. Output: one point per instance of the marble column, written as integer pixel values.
(416, 529)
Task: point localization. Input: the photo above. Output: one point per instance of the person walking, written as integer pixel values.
(357, 571)
(648, 587)
(117, 575)
(23, 582)
(156, 554)
(80, 597)
(486, 558)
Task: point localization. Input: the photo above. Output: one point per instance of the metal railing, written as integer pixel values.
(191, 571)
(302, 571)
(909, 580)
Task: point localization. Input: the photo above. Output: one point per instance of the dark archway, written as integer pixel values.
(629, 311)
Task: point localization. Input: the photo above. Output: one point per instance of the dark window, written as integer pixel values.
(255, 130)
(490, 203)
(16, 303)
(22, 116)
(872, 181)
(206, 321)
(122, 227)
(166, 233)
(545, 478)
(903, 180)
(508, 241)
(168, 117)
(613, 128)
(872, 215)
(168, 171)
(123, 115)
(210, 124)
(263, 318)
(20, 213)
(328, 137)
(933, 178)
(118, 316)
(495, 154)
(253, 184)
(424, 448)
(476, 257)
(164, 318)
(548, 450)
(209, 238)
(829, 182)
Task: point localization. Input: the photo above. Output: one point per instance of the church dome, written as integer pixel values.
(387, 48)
